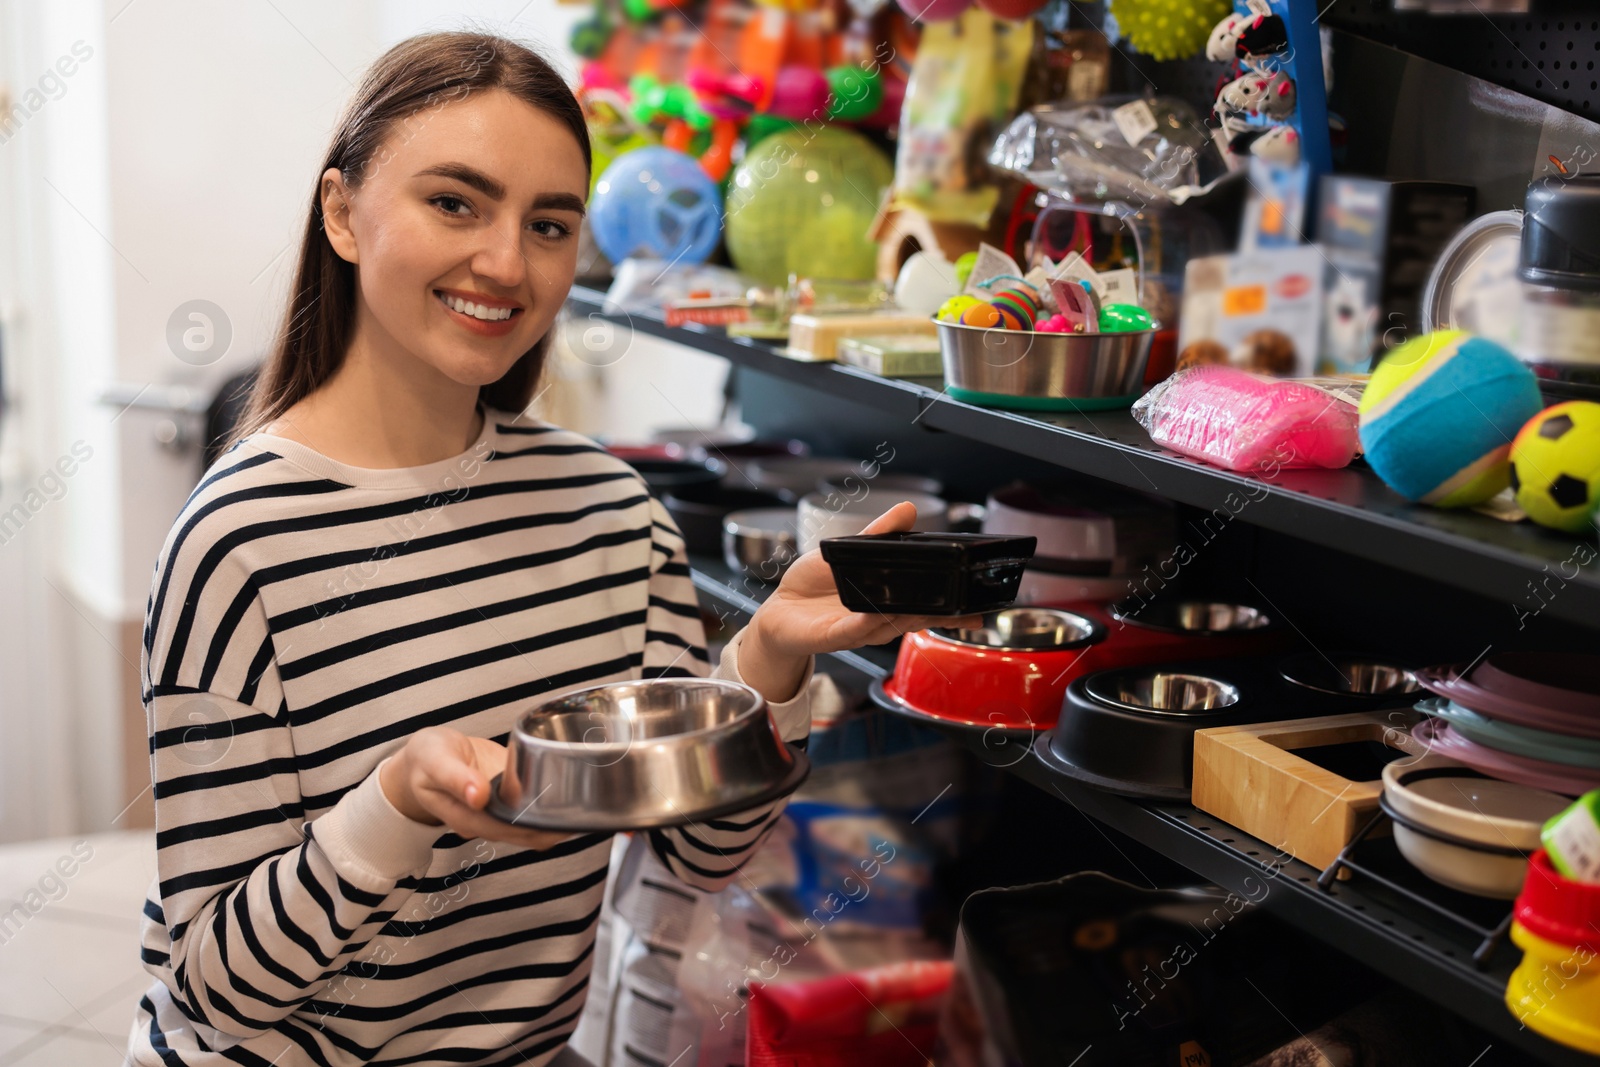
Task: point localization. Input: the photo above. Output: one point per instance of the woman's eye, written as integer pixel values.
(551, 228)
(448, 204)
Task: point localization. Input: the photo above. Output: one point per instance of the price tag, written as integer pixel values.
(1135, 120)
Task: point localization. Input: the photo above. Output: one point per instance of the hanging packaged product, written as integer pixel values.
(1139, 150)
(965, 84)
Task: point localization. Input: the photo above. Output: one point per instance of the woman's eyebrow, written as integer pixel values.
(496, 191)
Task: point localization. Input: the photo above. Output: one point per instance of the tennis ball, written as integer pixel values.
(1555, 466)
(950, 310)
(1439, 414)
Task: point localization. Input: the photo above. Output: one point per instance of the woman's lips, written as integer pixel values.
(481, 327)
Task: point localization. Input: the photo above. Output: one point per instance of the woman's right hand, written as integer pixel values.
(441, 777)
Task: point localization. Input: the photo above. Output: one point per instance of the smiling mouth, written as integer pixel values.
(481, 312)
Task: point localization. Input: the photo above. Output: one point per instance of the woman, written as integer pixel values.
(389, 563)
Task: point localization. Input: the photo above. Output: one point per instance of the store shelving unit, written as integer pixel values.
(1349, 510)
(1382, 929)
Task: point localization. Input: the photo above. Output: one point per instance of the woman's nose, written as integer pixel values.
(500, 258)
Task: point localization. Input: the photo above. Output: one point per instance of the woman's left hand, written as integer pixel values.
(804, 616)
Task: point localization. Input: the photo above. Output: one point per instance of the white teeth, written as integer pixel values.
(477, 311)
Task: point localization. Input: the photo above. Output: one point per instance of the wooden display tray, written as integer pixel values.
(1250, 777)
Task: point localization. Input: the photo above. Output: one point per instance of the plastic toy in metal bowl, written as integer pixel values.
(640, 755)
(1009, 674)
(1028, 371)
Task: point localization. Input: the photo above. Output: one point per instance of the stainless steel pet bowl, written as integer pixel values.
(1028, 629)
(1161, 692)
(1349, 676)
(1043, 371)
(1191, 616)
(643, 755)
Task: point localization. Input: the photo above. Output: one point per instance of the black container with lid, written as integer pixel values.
(926, 573)
(1560, 272)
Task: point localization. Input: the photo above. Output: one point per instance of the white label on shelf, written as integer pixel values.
(1577, 838)
(1135, 120)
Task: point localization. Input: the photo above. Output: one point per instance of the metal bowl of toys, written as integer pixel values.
(1027, 370)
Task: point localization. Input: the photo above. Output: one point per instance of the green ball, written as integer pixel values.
(964, 264)
(802, 202)
(1125, 318)
(853, 93)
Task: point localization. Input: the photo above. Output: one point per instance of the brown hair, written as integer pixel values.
(413, 77)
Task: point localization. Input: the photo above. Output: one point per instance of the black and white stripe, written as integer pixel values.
(305, 617)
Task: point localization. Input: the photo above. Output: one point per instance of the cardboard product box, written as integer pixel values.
(1258, 311)
(1381, 239)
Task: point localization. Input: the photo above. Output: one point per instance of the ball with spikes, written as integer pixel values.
(1169, 29)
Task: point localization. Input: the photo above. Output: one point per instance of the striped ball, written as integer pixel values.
(1018, 308)
(1439, 415)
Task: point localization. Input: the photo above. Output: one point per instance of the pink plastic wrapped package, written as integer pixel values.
(1249, 423)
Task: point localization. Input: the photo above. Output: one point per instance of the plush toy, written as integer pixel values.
(1271, 95)
(1555, 466)
(1438, 416)
(1168, 29)
(1250, 37)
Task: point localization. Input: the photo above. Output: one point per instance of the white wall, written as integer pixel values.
(176, 163)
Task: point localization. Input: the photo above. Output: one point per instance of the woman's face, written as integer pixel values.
(464, 232)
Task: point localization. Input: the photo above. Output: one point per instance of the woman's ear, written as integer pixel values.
(335, 196)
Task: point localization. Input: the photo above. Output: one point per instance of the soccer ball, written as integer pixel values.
(1555, 466)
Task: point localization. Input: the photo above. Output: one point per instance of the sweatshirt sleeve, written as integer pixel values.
(708, 854)
(262, 905)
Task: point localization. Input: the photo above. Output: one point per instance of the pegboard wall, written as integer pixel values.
(1551, 54)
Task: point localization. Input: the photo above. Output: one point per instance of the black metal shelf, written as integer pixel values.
(1350, 510)
(1410, 945)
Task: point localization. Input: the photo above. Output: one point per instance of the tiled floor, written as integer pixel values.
(69, 970)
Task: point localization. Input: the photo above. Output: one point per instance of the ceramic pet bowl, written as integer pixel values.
(1463, 829)
(644, 754)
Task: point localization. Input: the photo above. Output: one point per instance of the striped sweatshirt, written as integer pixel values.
(304, 618)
